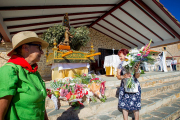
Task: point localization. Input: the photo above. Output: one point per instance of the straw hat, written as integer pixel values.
(26, 37)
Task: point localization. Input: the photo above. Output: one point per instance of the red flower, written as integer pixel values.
(49, 96)
(80, 103)
(48, 90)
(84, 74)
(68, 96)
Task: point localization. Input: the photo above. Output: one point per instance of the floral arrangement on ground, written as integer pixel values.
(81, 88)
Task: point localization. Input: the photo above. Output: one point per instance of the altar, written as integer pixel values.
(62, 70)
(68, 63)
(111, 63)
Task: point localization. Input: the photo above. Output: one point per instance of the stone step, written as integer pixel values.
(98, 108)
(150, 110)
(113, 91)
(166, 112)
(113, 81)
(165, 87)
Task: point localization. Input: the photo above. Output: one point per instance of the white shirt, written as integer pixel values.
(174, 62)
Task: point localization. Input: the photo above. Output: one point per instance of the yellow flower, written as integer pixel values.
(126, 59)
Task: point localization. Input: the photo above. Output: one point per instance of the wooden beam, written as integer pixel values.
(10, 8)
(166, 44)
(141, 23)
(50, 16)
(4, 34)
(117, 34)
(109, 12)
(160, 22)
(37, 29)
(130, 27)
(161, 7)
(111, 37)
(123, 31)
(51, 22)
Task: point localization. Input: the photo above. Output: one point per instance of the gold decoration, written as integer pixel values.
(67, 53)
(47, 52)
(92, 50)
(67, 34)
(55, 43)
(99, 53)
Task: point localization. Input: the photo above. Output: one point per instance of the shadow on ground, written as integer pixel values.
(70, 114)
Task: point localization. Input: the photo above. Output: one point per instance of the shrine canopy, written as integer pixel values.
(130, 22)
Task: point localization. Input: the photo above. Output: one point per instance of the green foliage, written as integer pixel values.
(103, 99)
(85, 79)
(80, 36)
(150, 60)
(142, 72)
(56, 84)
(130, 84)
(54, 32)
(93, 99)
(76, 105)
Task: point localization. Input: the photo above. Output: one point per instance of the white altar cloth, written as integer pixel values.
(112, 61)
(63, 66)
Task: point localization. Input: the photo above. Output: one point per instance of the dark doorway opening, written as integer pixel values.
(99, 65)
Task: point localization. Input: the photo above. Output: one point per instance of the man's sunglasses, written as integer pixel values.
(40, 47)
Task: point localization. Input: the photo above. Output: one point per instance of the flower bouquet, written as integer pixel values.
(77, 90)
(135, 57)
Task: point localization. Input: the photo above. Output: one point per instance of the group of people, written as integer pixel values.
(23, 91)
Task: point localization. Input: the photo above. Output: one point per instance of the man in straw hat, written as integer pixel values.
(23, 92)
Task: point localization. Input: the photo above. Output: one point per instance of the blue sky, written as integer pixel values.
(173, 7)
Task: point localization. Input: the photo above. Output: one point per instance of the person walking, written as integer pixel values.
(128, 101)
(23, 92)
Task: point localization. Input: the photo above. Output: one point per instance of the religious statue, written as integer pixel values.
(67, 34)
(66, 21)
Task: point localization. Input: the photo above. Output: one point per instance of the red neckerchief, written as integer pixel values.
(19, 60)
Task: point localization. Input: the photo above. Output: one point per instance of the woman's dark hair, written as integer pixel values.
(123, 51)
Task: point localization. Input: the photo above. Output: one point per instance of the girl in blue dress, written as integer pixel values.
(128, 101)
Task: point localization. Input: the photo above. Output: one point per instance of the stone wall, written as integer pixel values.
(172, 49)
(3, 58)
(100, 40)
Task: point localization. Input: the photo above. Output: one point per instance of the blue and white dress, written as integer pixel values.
(129, 101)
